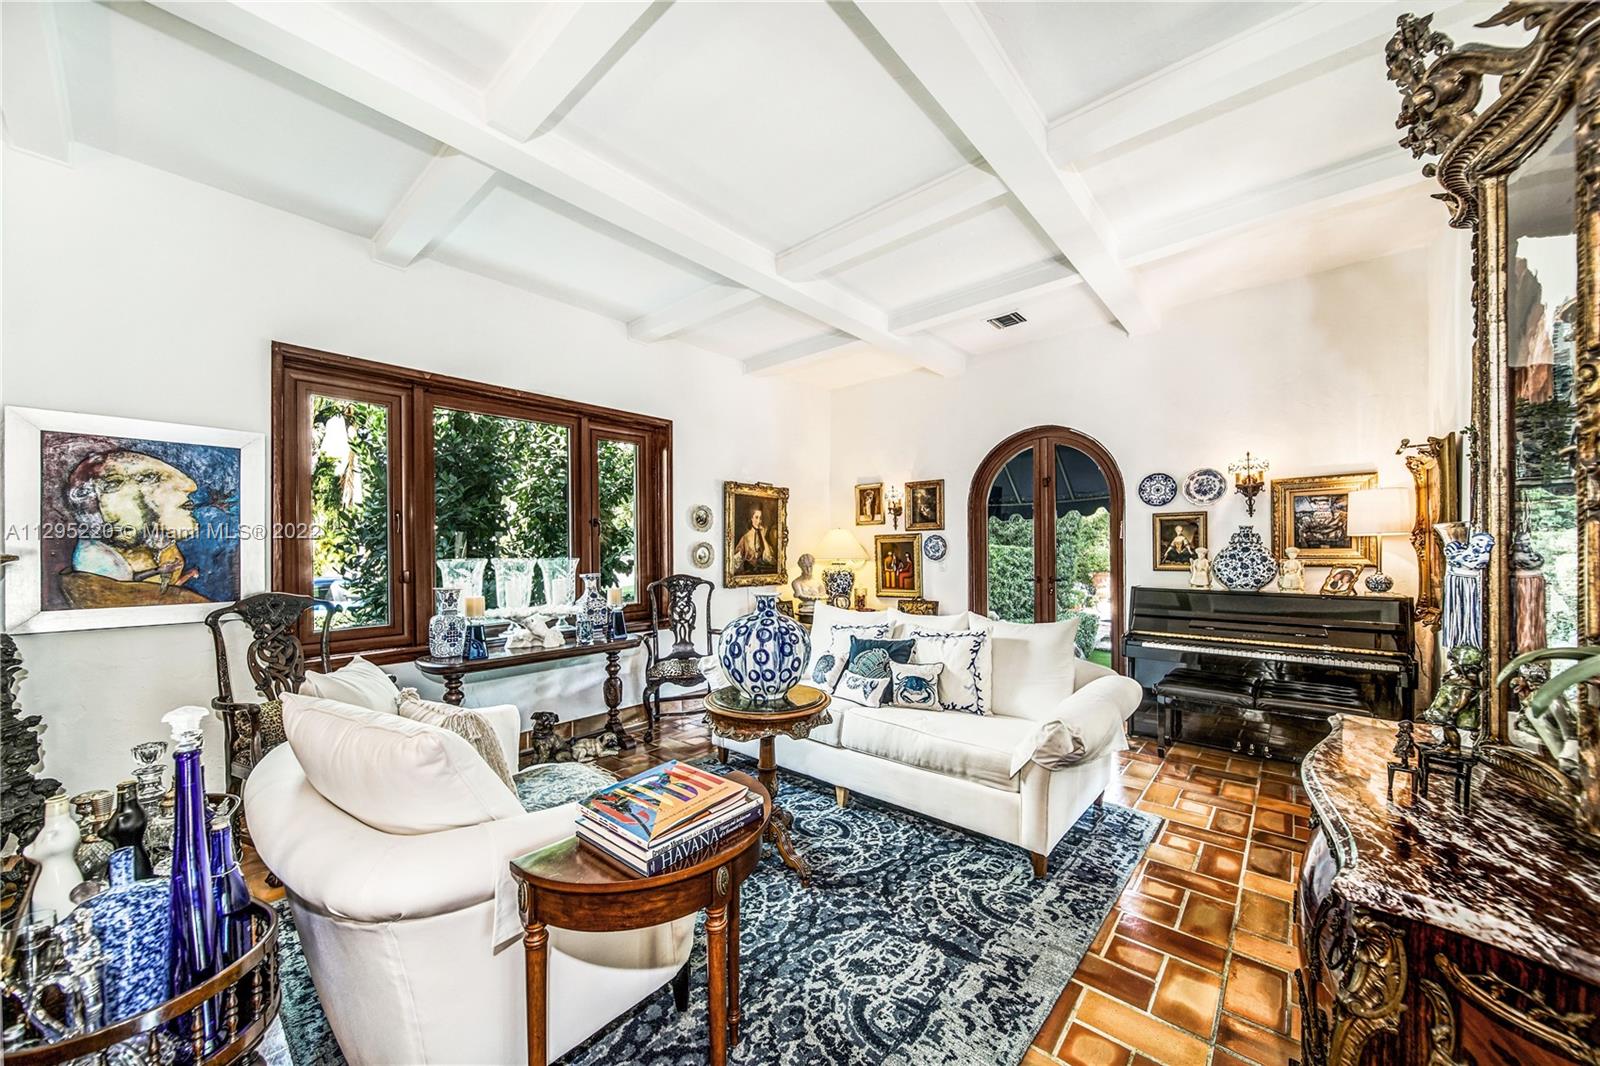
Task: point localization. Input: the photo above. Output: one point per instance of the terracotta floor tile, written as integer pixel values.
(1050, 1032)
(1276, 840)
(1236, 825)
(1187, 997)
(1221, 803)
(1271, 862)
(1258, 993)
(1235, 790)
(1274, 821)
(1141, 1032)
(1183, 860)
(1273, 952)
(1107, 927)
(1132, 988)
(1271, 886)
(1134, 956)
(1186, 947)
(1283, 806)
(1173, 814)
(1155, 888)
(1036, 1057)
(1207, 836)
(1223, 1058)
(1180, 841)
(1255, 1043)
(1145, 907)
(1085, 1048)
(1208, 919)
(1221, 863)
(1265, 916)
(1226, 891)
(1276, 789)
(1166, 795)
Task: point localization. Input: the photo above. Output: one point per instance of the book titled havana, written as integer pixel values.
(667, 816)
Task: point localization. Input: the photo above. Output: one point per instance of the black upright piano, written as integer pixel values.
(1259, 672)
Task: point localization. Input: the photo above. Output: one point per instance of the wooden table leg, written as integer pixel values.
(613, 695)
(717, 980)
(778, 825)
(733, 967)
(535, 945)
(453, 690)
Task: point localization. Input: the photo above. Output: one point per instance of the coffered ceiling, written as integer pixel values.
(834, 192)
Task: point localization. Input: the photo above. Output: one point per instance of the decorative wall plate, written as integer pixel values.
(700, 518)
(934, 546)
(1205, 486)
(702, 554)
(1158, 489)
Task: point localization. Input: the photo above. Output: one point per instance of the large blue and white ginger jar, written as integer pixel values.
(764, 652)
(1245, 564)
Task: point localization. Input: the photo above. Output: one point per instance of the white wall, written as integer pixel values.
(1319, 375)
(131, 292)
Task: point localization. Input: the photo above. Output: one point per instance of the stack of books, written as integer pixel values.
(668, 816)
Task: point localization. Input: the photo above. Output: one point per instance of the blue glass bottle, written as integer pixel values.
(234, 936)
(194, 894)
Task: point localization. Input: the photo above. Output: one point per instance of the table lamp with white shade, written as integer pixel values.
(841, 554)
(1381, 513)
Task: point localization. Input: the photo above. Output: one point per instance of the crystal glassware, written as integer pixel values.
(513, 582)
(149, 770)
(158, 835)
(558, 580)
(463, 574)
(94, 851)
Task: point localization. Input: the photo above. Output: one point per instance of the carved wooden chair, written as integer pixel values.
(678, 596)
(276, 664)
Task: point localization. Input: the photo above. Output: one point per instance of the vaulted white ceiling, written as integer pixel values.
(830, 191)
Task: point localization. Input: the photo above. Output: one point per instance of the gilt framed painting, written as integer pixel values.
(1176, 538)
(897, 558)
(121, 522)
(1313, 515)
(755, 521)
(869, 504)
(925, 504)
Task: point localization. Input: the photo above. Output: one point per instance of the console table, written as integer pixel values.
(453, 673)
(1435, 936)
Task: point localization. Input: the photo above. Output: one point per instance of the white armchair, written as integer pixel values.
(413, 939)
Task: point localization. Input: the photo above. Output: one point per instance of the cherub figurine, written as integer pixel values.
(1291, 572)
(1200, 570)
(1455, 705)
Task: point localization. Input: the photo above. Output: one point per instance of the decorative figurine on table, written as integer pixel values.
(1466, 558)
(1455, 707)
(1200, 569)
(1291, 571)
(861, 600)
(1405, 747)
(808, 586)
(528, 630)
(1552, 733)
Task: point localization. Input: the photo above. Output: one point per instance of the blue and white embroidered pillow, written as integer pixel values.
(867, 691)
(966, 683)
(830, 660)
(915, 685)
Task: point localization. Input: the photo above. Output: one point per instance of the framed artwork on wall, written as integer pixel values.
(755, 520)
(897, 562)
(122, 522)
(925, 504)
(869, 504)
(1175, 539)
(1312, 514)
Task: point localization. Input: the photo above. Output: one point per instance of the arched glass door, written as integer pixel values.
(1046, 531)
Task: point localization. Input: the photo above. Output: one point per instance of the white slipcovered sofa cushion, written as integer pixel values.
(1086, 724)
(1034, 665)
(358, 683)
(395, 775)
(968, 746)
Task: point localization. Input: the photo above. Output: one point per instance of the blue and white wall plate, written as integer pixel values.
(1205, 486)
(1158, 489)
(934, 547)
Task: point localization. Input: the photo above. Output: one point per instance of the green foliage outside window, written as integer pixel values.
(350, 504)
(1083, 548)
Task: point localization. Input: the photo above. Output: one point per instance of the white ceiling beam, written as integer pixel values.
(951, 50)
(317, 42)
(904, 216)
(436, 201)
(986, 299)
(713, 301)
(37, 116)
(1236, 70)
(800, 353)
(567, 44)
(1373, 174)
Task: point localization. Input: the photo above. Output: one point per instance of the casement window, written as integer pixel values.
(380, 473)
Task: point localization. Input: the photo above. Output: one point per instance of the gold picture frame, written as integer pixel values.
(897, 565)
(869, 504)
(755, 523)
(925, 504)
(919, 606)
(1164, 528)
(1309, 513)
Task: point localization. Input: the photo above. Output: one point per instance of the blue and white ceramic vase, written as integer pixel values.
(1244, 564)
(594, 614)
(447, 629)
(839, 582)
(131, 921)
(764, 652)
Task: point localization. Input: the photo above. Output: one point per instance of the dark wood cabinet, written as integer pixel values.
(1434, 936)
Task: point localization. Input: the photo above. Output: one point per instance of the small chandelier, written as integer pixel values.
(1249, 478)
(896, 505)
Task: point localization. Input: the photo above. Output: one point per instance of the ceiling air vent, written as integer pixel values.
(1007, 320)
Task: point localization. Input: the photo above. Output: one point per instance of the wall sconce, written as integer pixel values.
(896, 505)
(1249, 478)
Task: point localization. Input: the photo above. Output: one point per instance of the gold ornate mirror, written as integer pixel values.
(1521, 167)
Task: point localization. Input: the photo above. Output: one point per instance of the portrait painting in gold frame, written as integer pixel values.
(869, 504)
(755, 520)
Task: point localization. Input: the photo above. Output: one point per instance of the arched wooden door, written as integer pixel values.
(1044, 516)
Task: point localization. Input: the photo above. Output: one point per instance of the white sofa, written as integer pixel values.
(1023, 773)
(413, 937)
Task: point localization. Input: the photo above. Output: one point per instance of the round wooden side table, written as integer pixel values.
(571, 886)
(732, 714)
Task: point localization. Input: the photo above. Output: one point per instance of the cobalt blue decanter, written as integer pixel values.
(234, 937)
(194, 895)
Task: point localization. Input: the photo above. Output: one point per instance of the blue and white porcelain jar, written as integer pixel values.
(1245, 564)
(447, 629)
(594, 615)
(764, 652)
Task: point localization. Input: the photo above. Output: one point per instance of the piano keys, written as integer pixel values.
(1244, 640)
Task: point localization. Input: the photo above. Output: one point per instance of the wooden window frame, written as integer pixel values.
(412, 395)
(1043, 439)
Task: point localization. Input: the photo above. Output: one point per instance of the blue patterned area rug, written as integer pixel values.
(916, 945)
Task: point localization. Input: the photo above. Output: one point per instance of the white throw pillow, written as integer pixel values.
(967, 680)
(394, 774)
(858, 688)
(915, 685)
(465, 723)
(1035, 666)
(824, 618)
(940, 623)
(829, 660)
(358, 682)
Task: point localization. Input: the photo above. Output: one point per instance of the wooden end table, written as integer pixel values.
(572, 886)
(732, 714)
